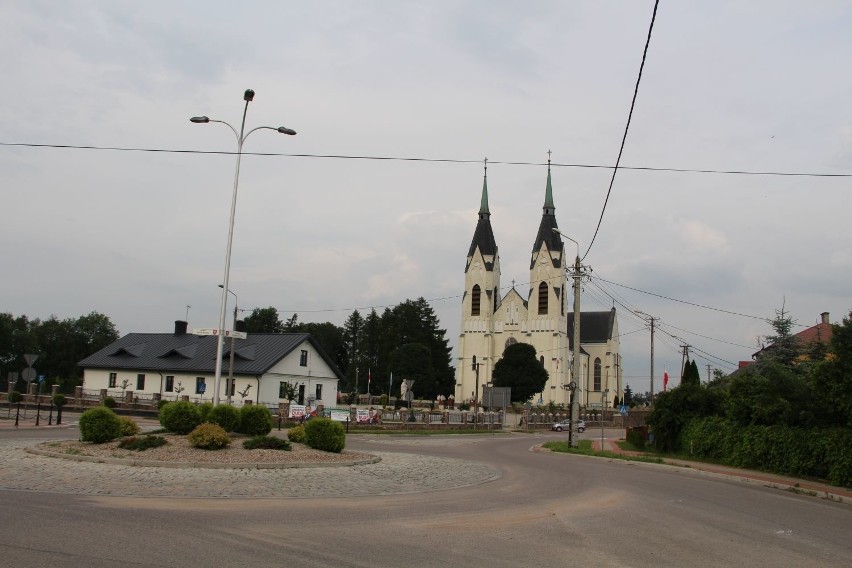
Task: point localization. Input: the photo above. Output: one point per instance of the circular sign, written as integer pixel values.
(28, 374)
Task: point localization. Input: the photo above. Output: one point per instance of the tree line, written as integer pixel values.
(59, 344)
(403, 342)
(789, 412)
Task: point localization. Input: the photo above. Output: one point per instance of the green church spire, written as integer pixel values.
(483, 208)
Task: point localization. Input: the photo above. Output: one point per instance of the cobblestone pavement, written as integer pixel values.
(396, 473)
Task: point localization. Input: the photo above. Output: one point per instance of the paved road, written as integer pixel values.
(542, 509)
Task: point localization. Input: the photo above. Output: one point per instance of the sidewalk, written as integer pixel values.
(792, 484)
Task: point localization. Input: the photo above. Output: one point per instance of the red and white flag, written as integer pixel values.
(665, 379)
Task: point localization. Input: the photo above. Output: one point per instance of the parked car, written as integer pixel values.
(566, 424)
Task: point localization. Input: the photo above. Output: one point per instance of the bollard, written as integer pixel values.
(38, 412)
(279, 422)
(347, 424)
(50, 416)
(17, 413)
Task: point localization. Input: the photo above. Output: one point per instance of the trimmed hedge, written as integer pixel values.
(266, 443)
(128, 426)
(225, 416)
(255, 420)
(99, 425)
(800, 452)
(297, 434)
(180, 417)
(204, 408)
(109, 402)
(325, 434)
(142, 443)
(209, 437)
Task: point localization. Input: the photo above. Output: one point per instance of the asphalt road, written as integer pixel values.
(542, 510)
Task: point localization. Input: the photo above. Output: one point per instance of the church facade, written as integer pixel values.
(492, 321)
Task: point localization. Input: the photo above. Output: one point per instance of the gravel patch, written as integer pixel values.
(179, 453)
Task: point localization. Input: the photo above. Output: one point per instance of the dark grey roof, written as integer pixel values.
(595, 327)
(193, 353)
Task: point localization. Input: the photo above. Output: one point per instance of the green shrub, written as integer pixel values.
(59, 399)
(325, 434)
(99, 425)
(161, 403)
(109, 402)
(205, 409)
(129, 427)
(296, 434)
(142, 443)
(636, 438)
(266, 443)
(15, 397)
(209, 437)
(225, 416)
(255, 420)
(180, 417)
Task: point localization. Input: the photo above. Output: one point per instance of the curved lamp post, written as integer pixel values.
(241, 138)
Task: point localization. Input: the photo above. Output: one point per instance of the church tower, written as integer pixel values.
(547, 316)
(480, 302)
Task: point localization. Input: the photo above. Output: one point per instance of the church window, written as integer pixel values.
(597, 374)
(475, 297)
(562, 305)
(542, 299)
(496, 291)
(509, 342)
(541, 360)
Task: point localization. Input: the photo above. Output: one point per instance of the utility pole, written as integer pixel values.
(652, 319)
(684, 359)
(708, 373)
(577, 274)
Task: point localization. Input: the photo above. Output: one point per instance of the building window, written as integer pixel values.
(113, 378)
(170, 383)
(200, 385)
(303, 358)
(541, 360)
(562, 305)
(542, 299)
(140, 382)
(233, 386)
(475, 297)
(283, 388)
(319, 392)
(597, 374)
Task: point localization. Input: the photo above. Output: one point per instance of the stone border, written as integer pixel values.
(199, 465)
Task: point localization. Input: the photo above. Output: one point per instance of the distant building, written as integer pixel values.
(820, 333)
(491, 321)
(182, 364)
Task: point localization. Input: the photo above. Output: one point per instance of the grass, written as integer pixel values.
(585, 448)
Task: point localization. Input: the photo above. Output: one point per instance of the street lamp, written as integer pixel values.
(229, 384)
(241, 138)
(577, 274)
(604, 396)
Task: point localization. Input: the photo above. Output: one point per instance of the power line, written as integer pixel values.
(626, 128)
(424, 160)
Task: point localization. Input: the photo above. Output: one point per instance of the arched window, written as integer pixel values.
(597, 374)
(542, 299)
(496, 291)
(541, 360)
(475, 296)
(509, 342)
(562, 305)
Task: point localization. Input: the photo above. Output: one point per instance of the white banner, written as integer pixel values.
(339, 415)
(363, 415)
(297, 411)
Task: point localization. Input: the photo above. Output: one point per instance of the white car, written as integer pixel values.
(566, 424)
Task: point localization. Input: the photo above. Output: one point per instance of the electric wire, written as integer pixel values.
(626, 128)
(428, 160)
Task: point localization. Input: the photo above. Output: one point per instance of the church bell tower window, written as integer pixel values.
(542, 299)
(475, 297)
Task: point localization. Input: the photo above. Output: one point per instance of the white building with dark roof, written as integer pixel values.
(542, 319)
(182, 364)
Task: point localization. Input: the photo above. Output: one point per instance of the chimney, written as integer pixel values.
(825, 317)
(180, 327)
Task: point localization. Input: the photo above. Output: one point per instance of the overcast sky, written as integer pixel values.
(756, 86)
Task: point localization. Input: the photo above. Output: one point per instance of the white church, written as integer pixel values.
(491, 321)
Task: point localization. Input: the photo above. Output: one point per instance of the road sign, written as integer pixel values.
(30, 359)
(236, 334)
(205, 331)
(28, 374)
(623, 409)
(201, 388)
